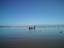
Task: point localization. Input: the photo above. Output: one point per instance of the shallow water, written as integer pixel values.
(39, 38)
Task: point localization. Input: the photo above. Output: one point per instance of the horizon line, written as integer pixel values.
(35, 25)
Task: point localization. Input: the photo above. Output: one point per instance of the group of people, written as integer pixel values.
(31, 27)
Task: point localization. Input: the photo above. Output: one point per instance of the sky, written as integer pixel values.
(31, 12)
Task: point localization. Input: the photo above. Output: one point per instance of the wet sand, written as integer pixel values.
(31, 39)
(33, 43)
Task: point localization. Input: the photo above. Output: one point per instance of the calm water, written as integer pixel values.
(39, 38)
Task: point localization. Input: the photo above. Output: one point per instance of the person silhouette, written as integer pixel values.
(32, 28)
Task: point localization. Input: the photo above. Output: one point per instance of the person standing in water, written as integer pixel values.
(32, 28)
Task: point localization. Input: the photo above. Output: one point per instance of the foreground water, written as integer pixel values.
(39, 38)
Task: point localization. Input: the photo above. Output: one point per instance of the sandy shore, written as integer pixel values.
(33, 43)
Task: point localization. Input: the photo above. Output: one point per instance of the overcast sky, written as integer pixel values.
(26, 12)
